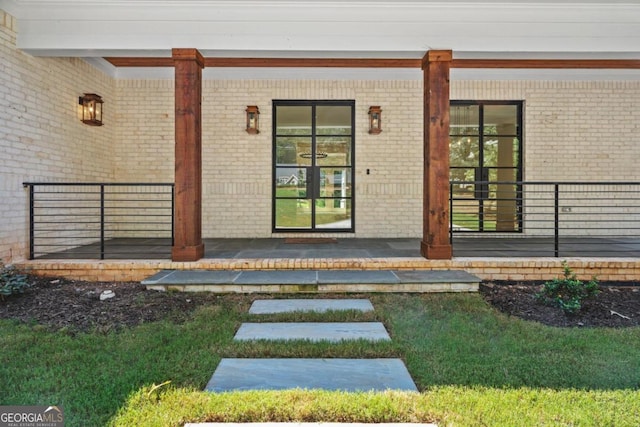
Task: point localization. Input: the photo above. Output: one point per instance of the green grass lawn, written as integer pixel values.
(474, 366)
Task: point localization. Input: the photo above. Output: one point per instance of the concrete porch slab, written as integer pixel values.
(274, 306)
(326, 374)
(314, 281)
(190, 277)
(435, 276)
(313, 331)
(356, 276)
(286, 277)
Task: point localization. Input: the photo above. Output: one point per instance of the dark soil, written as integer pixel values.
(615, 306)
(76, 306)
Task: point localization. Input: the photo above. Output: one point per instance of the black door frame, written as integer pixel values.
(481, 173)
(313, 171)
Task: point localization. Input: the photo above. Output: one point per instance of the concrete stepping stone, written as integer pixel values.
(302, 424)
(274, 306)
(313, 331)
(325, 374)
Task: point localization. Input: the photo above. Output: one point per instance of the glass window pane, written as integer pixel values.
(293, 120)
(464, 120)
(333, 151)
(501, 151)
(333, 213)
(335, 182)
(333, 120)
(501, 120)
(293, 151)
(465, 214)
(291, 182)
(503, 174)
(464, 151)
(293, 213)
(463, 174)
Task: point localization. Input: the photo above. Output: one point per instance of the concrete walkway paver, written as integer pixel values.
(313, 331)
(294, 424)
(274, 306)
(327, 374)
(320, 424)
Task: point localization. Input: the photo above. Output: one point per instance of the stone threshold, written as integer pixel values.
(313, 281)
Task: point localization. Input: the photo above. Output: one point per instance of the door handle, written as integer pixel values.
(481, 188)
(310, 183)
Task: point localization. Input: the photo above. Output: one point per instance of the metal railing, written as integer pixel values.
(546, 218)
(100, 220)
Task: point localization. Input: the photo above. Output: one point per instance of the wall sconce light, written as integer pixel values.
(252, 119)
(375, 119)
(91, 109)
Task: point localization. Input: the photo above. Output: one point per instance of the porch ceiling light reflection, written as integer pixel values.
(319, 155)
(91, 109)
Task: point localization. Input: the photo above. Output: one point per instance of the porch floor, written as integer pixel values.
(265, 248)
(610, 259)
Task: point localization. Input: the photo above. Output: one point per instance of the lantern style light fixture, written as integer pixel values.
(91, 109)
(252, 119)
(375, 119)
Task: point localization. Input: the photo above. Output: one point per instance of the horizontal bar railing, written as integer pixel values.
(100, 220)
(523, 218)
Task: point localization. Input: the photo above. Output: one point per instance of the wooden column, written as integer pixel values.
(188, 244)
(435, 224)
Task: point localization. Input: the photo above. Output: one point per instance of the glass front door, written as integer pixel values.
(485, 160)
(313, 147)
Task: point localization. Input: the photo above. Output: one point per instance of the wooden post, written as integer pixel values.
(435, 224)
(188, 244)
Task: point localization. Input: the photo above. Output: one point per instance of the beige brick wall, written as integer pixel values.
(237, 165)
(41, 135)
(573, 131)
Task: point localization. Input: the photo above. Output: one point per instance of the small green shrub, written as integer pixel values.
(11, 281)
(568, 292)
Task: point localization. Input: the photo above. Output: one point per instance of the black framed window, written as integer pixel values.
(485, 154)
(313, 173)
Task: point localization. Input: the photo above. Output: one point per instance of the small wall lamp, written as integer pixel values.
(252, 119)
(91, 109)
(375, 119)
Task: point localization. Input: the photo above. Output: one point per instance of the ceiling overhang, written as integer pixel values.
(387, 36)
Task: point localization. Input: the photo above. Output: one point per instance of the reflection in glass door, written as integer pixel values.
(485, 146)
(313, 165)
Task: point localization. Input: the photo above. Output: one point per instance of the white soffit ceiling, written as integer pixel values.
(548, 29)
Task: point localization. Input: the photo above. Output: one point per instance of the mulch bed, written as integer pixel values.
(76, 306)
(615, 306)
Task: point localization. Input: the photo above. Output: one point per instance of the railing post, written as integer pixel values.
(451, 215)
(173, 212)
(101, 221)
(31, 221)
(556, 220)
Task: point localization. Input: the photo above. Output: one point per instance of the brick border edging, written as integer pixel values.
(513, 269)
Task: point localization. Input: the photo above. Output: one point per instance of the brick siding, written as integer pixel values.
(574, 130)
